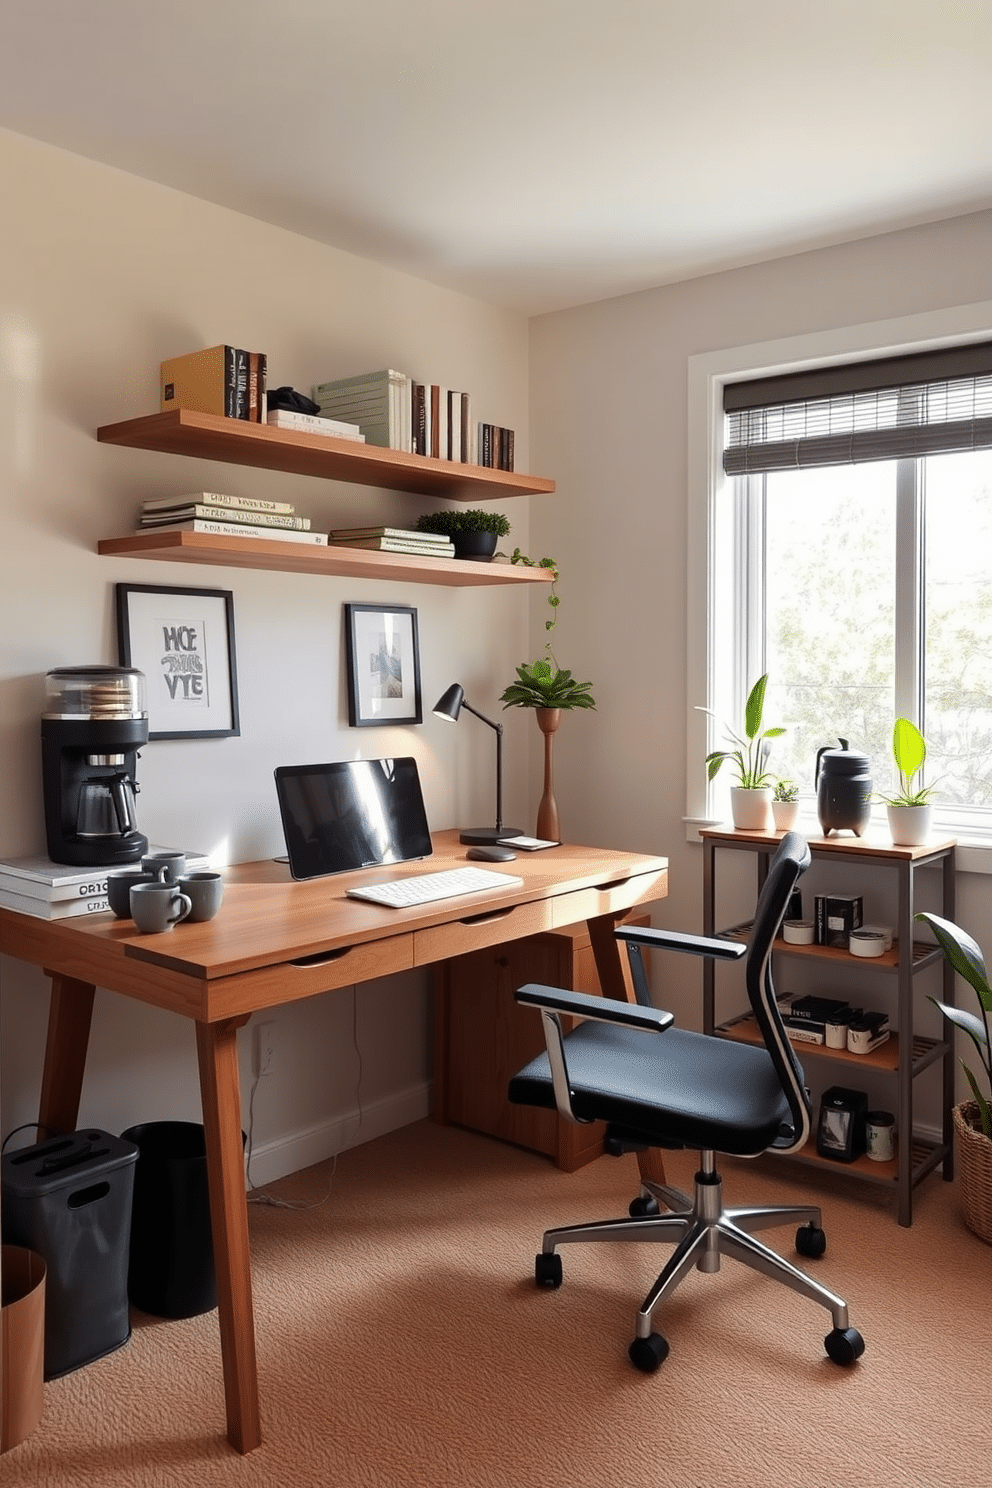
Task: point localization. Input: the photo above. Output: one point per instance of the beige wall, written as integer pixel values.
(102, 276)
(608, 418)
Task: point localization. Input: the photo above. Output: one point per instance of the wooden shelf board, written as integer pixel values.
(886, 1057)
(874, 845)
(923, 952)
(207, 436)
(291, 557)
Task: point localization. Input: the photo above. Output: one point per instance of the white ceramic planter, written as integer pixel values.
(786, 814)
(751, 809)
(909, 826)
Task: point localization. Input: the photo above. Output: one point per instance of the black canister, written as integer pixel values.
(843, 790)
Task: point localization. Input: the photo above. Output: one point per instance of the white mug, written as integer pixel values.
(880, 1133)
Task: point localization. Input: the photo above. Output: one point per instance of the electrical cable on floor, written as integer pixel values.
(261, 1195)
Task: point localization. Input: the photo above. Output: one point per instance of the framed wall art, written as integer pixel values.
(183, 641)
(383, 665)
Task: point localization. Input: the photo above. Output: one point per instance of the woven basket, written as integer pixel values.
(975, 1167)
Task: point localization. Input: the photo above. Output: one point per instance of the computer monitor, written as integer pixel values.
(352, 814)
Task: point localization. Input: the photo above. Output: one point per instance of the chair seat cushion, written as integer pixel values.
(672, 1088)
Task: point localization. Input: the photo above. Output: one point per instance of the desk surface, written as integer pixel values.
(275, 940)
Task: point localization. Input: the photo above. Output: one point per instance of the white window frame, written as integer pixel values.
(708, 373)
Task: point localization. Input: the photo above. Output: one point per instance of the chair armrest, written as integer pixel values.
(602, 1009)
(674, 940)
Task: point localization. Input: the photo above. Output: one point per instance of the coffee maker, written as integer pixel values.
(95, 720)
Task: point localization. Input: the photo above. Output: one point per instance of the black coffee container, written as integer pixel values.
(843, 790)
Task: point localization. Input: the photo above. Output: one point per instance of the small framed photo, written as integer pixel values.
(383, 665)
(183, 641)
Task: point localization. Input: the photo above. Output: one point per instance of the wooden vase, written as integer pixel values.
(548, 720)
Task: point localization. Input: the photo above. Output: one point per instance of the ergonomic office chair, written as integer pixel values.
(658, 1086)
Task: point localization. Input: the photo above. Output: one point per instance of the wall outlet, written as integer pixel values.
(264, 1049)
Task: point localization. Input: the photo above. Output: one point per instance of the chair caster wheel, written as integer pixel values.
(811, 1241)
(643, 1207)
(547, 1270)
(646, 1354)
(844, 1345)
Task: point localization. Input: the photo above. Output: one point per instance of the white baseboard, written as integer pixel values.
(301, 1149)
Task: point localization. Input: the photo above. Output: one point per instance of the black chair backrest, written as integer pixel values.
(789, 863)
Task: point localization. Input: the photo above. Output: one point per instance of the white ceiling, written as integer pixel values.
(533, 153)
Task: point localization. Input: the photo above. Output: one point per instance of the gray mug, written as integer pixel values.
(205, 892)
(169, 867)
(119, 886)
(158, 906)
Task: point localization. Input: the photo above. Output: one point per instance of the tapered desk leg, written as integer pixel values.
(217, 1053)
(615, 981)
(70, 1013)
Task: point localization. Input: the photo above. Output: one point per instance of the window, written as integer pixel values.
(848, 553)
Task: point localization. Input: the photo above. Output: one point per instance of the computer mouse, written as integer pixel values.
(491, 854)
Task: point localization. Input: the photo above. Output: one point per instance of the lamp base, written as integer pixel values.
(486, 836)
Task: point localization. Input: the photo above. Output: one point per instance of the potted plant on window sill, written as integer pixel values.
(750, 798)
(972, 1118)
(550, 690)
(909, 811)
(785, 805)
(474, 532)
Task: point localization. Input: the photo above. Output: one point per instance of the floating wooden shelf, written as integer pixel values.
(207, 436)
(291, 557)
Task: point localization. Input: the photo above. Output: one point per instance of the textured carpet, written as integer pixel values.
(401, 1341)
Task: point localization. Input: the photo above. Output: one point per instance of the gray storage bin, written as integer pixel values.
(69, 1199)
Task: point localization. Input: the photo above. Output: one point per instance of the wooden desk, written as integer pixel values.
(276, 941)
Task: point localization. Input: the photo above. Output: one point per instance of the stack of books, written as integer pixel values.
(421, 418)
(380, 403)
(313, 423)
(54, 891)
(228, 516)
(394, 540)
(219, 379)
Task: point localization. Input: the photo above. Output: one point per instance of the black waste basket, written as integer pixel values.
(171, 1271)
(69, 1199)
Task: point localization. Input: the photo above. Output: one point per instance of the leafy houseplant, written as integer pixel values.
(474, 532)
(749, 757)
(909, 809)
(786, 792)
(972, 1119)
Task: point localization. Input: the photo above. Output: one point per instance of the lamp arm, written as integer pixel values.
(498, 728)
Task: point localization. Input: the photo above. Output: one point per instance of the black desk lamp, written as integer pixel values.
(449, 706)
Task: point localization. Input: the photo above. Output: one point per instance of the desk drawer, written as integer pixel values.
(247, 991)
(588, 904)
(475, 932)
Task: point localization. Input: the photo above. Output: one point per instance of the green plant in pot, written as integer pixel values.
(550, 690)
(785, 804)
(751, 797)
(473, 531)
(909, 809)
(972, 1119)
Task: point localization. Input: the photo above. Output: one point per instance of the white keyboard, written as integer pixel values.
(425, 888)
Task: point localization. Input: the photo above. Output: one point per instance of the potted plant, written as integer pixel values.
(785, 804)
(550, 690)
(909, 810)
(474, 532)
(751, 797)
(972, 1119)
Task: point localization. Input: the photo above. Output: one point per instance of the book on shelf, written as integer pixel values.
(167, 517)
(216, 498)
(380, 403)
(397, 545)
(313, 423)
(495, 447)
(429, 539)
(237, 529)
(218, 379)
